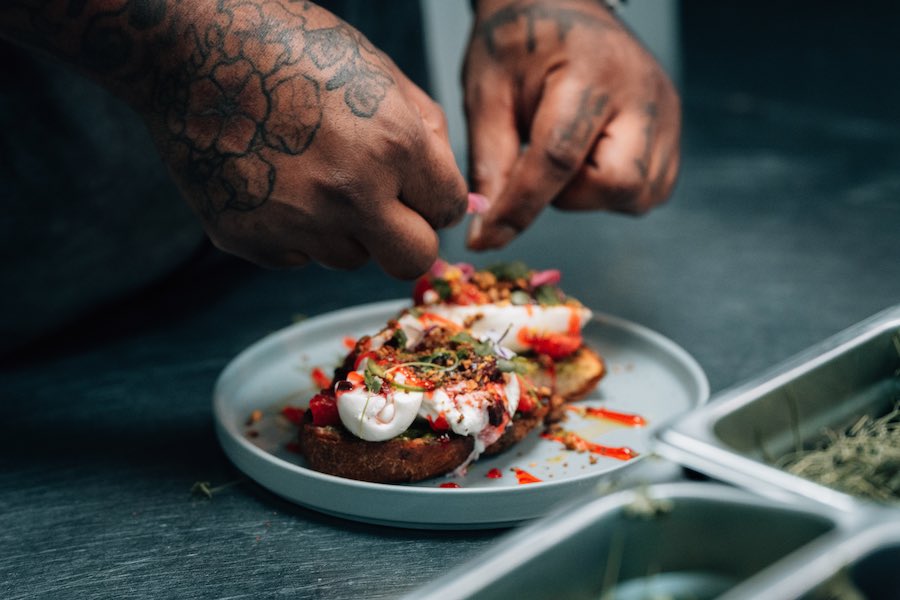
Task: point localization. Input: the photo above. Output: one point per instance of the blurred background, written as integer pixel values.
(789, 187)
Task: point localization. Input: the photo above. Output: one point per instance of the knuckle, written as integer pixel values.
(346, 186)
(562, 157)
(621, 192)
(227, 242)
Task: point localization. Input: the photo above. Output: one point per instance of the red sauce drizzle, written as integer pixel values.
(524, 476)
(622, 418)
(293, 414)
(349, 342)
(494, 474)
(574, 322)
(450, 484)
(573, 441)
(319, 377)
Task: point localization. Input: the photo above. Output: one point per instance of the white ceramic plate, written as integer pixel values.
(647, 374)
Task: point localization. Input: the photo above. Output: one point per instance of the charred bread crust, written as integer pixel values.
(336, 451)
(573, 377)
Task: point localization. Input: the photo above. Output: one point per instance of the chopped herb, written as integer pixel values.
(399, 338)
(481, 348)
(408, 388)
(547, 295)
(463, 337)
(442, 287)
(510, 271)
(205, 489)
(863, 460)
(513, 365)
(373, 383)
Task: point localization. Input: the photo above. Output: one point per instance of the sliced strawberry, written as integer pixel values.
(526, 404)
(423, 284)
(324, 410)
(439, 424)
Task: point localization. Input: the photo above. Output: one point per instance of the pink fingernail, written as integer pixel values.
(477, 203)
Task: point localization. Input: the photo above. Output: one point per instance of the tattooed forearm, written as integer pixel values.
(533, 14)
(233, 84)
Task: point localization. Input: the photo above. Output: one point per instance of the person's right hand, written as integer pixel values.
(294, 139)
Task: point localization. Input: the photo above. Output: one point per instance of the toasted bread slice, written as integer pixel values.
(572, 377)
(334, 450)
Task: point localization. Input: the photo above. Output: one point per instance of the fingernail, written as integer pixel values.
(502, 235)
(475, 226)
(477, 203)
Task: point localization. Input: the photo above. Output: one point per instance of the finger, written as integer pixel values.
(254, 241)
(615, 176)
(432, 115)
(272, 258)
(432, 184)
(664, 172)
(400, 240)
(566, 124)
(493, 138)
(336, 252)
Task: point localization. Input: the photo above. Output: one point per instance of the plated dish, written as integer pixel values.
(648, 375)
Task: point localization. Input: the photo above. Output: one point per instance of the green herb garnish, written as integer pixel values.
(481, 348)
(442, 287)
(547, 295)
(399, 338)
(510, 271)
(373, 383)
(513, 365)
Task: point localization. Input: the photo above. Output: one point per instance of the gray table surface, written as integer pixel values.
(784, 230)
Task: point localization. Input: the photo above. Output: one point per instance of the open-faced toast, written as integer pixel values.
(421, 398)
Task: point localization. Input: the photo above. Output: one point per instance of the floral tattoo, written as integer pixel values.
(251, 86)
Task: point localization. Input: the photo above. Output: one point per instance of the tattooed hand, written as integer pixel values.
(294, 138)
(599, 118)
(291, 136)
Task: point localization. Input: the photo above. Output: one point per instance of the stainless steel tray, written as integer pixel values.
(697, 540)
(737, 437)
(785, 537)
(861, 565)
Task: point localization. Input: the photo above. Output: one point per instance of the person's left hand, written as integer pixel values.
(597, 117)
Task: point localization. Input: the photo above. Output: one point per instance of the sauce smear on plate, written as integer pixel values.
(573, 441)
(524, 476)
(622, 418)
